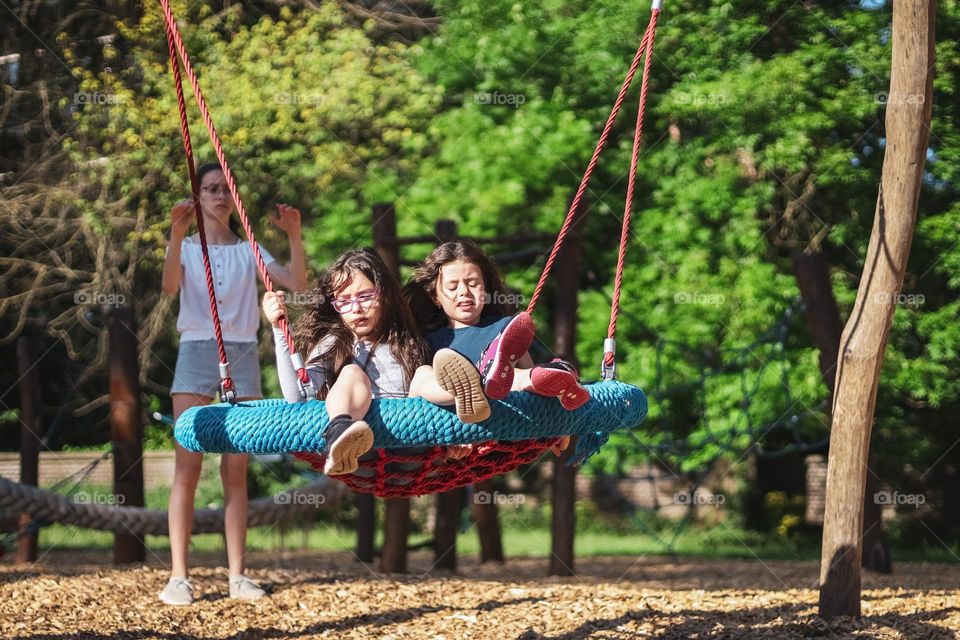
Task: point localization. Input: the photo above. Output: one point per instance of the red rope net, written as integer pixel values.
(399, 473)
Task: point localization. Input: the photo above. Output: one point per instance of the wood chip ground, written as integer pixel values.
(315, 595)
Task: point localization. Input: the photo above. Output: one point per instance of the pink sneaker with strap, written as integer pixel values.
(560, 380)
(502, 354)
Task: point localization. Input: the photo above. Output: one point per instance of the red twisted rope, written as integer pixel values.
(601, 143)
(608, 357)
(195, 190)
(176, 46)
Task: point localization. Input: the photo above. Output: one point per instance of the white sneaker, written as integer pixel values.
(178, 592)
(244, 588)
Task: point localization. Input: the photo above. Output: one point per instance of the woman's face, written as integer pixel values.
(460, 292)
(215, 197)
(358, 303)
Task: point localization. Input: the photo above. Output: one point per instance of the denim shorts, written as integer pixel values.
(198, 368)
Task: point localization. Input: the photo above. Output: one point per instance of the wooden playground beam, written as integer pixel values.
(396, 520)
(520, 238)
(396, 528)
(908, 110)
(563, 519)
(126, 427)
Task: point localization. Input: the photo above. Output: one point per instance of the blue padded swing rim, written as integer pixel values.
(276, 426)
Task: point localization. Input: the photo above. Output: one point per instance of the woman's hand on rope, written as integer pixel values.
(181, 217)
(287, 220)
(273, 306)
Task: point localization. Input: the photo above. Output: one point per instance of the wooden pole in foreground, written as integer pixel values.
(31, 429)
(909, 105)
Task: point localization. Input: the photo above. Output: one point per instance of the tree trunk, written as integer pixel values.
(865, 336)
(823, 320)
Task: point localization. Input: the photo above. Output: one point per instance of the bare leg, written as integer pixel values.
(185, 476)
(350, 394)
(521, 380)
(233, 473)
(424, 385)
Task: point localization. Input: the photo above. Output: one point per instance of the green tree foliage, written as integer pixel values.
(764, 137)
(312, 112)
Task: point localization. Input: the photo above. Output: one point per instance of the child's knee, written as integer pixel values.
(354, 374)
(424, 371)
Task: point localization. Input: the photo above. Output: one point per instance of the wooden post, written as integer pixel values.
(450, 503)
(449, 506)
(823, 320)
(31, 430)
(366, 526)
(396, 526)
(445, 230)
(488, 523)
(396, 521)
(384, 225)
(864, 339)
(126, 428)
(563, 518)
(385, 235)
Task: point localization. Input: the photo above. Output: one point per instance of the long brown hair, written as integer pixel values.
(422, 290)
(395, 324)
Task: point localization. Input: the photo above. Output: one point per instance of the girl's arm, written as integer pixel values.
(289, 382)
(293, 277)
(274, 309)
(180, 217)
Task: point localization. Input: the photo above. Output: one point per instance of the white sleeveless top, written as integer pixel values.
(235, 282)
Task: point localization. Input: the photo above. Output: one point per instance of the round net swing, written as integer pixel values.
(411, 435)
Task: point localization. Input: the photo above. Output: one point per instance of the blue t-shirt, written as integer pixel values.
(468, 341)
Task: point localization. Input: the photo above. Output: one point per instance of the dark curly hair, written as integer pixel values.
(395, 324)
(422, 289)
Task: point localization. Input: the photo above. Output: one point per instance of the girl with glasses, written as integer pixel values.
(196, 380)
(363, 343)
